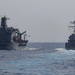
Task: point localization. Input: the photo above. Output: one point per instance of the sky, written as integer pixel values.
(44, 20)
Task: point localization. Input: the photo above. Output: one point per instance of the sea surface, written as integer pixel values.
(38, 59)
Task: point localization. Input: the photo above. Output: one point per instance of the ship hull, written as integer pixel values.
(14, 46)
(5, 48)
(70, 46)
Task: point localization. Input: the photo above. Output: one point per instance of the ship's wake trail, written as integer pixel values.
(40, 48)
(63, 50)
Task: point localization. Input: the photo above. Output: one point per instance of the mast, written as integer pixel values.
(73, 26)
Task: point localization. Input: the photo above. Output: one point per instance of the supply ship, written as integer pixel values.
(70, 45)
(11, 38)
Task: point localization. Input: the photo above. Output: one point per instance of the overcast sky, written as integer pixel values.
(44, 20)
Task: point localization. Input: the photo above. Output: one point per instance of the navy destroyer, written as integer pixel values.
(11, 38)
(70, 45)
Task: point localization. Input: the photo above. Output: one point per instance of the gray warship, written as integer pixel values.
(70, 45)
(11, 38)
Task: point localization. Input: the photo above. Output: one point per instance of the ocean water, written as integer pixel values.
(38, 59)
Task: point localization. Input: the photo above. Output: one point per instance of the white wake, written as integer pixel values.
(60, 49)
(40, 48)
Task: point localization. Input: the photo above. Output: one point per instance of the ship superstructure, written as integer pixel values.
(11, 38)
(70, 45)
